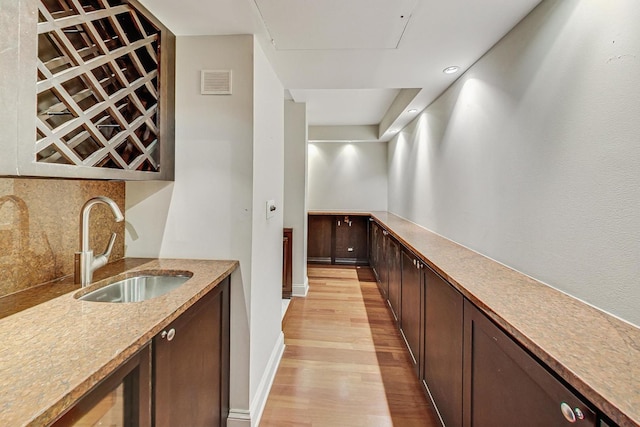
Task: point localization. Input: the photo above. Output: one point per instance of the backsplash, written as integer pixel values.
(40, 231)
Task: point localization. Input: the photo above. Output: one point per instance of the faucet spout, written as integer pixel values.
(86, 262)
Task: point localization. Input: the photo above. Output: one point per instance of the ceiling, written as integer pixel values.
(348, 59)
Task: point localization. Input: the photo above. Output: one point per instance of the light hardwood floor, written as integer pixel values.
(345, 363)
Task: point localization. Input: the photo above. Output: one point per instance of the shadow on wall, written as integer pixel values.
(20, 262)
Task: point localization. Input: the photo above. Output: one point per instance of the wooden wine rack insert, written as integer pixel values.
(98, 85)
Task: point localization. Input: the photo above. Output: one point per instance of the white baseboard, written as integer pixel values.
(238, 418)
(251, 418)
(300, 290)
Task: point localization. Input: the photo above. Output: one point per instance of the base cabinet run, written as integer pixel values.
(180, 379)
(474, 373)
(191, 365)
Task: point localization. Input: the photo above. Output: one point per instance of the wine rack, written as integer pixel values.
(98, 85)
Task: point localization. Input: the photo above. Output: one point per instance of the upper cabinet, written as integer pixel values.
(87, 90)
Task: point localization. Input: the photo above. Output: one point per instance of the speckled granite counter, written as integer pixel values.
(598, 354)
(54, 352)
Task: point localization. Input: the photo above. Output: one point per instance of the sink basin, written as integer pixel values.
(136, 289)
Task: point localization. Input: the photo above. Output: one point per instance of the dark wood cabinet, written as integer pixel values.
(191, 365)
(411, 306)
(375, 240)
(443, 343)
(338, 239)
(379, 258)
(505, 386)
(394, 259)
(352, 238)
(383, 255)
(122, 399)
(475, 374)
(287, 262)
(320, 237)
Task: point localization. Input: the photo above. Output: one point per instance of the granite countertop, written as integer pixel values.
(56, 351)
(598, 354)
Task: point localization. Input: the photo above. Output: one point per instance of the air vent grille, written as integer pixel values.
(215, 82)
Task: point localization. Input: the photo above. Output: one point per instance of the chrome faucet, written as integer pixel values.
(85, 262)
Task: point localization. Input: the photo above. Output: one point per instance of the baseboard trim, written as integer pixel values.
(300, 290)
(239, 418)
(260, 398)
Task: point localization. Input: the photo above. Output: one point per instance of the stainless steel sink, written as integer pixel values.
(136, 289)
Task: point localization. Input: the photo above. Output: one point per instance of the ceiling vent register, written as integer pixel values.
(97, 88)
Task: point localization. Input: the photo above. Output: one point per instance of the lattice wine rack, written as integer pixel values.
(98, 85)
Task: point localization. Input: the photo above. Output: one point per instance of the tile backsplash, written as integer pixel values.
(40, 231)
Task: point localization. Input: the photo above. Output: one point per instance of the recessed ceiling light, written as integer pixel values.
(451, 70)
(413, 110)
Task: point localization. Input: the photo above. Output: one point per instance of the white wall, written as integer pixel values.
(295, 189)
(348, 176)
(533, 156)
(215, 208)
(267, 341)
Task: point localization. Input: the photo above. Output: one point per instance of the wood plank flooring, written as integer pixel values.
(345, 363)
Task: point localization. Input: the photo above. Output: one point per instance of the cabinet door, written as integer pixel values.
(375, 238)
(395, 277)
(121, 399)
(351, 239)
(442, 364)
(383, 262)
(320, 238)
(505, 386)
(192, 365)
(376, 261)
(411, 318)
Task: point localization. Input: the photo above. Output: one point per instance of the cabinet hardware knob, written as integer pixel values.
(579, 413)
(168, 335)
(568, 413)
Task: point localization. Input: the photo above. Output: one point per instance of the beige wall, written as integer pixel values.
(295, 189)
(533, 157)
(229, 162)
(348, 176)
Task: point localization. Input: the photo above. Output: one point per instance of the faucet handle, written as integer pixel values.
(112, 241)
(102, 259)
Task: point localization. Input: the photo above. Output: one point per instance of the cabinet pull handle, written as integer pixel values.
(338, 223)
(568, 413)
(169, 335)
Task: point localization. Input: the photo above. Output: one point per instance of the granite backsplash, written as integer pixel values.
(39, 228)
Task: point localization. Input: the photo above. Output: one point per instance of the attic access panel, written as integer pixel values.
(336, 24)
